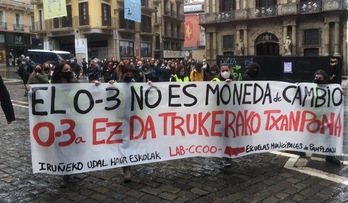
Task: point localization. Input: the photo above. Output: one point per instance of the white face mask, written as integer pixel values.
(225, 74)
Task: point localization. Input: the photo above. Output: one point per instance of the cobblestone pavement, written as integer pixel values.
(266, 177)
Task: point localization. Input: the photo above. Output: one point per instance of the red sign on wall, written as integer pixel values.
(192, 30)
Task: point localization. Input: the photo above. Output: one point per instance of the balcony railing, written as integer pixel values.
(40, 26)
(81, 20)
(3, 26)
(174, 14)
(173, 34)
(158, 21)
(127, 25)
(313, 6)
(146, 29)
(18, 27)
(300, 8)
(16, 5)
(57, 23)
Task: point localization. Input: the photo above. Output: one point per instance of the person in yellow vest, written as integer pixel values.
(224, 74)
(197, 72)
(179, 75)
(214, 73)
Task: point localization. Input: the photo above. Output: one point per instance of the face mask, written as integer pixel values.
(181, 74)
(213, 72)
(225, 75)
(38, 70)
(127, 79)
(318, 81)
(67, 75)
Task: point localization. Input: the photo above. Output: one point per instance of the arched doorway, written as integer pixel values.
(267, 44)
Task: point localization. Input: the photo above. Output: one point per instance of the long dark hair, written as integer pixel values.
(56, 76)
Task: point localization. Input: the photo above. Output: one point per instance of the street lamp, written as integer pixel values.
(122, 9)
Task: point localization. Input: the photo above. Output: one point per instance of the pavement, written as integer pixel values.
(266, 177)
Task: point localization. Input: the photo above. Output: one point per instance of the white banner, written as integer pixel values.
(77, 128)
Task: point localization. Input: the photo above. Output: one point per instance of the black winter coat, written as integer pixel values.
(6, 103)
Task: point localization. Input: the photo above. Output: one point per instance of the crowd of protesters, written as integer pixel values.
(154, 70)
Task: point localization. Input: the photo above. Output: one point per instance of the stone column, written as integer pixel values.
(294, 41)
(285, 34)
(208, 46)
(236, 50)
(246, 44)
(237, 4)
(237, 35)
(326, 38)
(214, 52)
(337, 40)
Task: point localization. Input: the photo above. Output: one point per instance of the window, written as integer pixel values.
(227, 5)
(311, 37)
(228, 42)
(266, 3)
(125, 23)
(66, 21)
(40, 24)
(146, 49)
(1, 17)
(145, 24)
(17, 19)
(145, 3)
(106, 12)
(83, 13)
(126, 48)
(32, 23)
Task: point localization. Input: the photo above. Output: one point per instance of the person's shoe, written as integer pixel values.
(333, 160)
(226, 162)
(65, 181)
(126, 174)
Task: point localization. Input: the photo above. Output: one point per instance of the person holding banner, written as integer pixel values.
(180, 74)
(223, 75)
(63, 73)
(128, 74)
(252, 72)
(321, 77)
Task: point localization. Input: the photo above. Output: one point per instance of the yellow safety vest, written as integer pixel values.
(216, 79)
(186, 79)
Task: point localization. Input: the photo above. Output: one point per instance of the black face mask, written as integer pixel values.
(127, 79)
(318, 81)
(67, 75)
(38, 70)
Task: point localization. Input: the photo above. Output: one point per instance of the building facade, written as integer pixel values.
(98, 28)
(276, 28)
(16, 25)
(194, 45)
